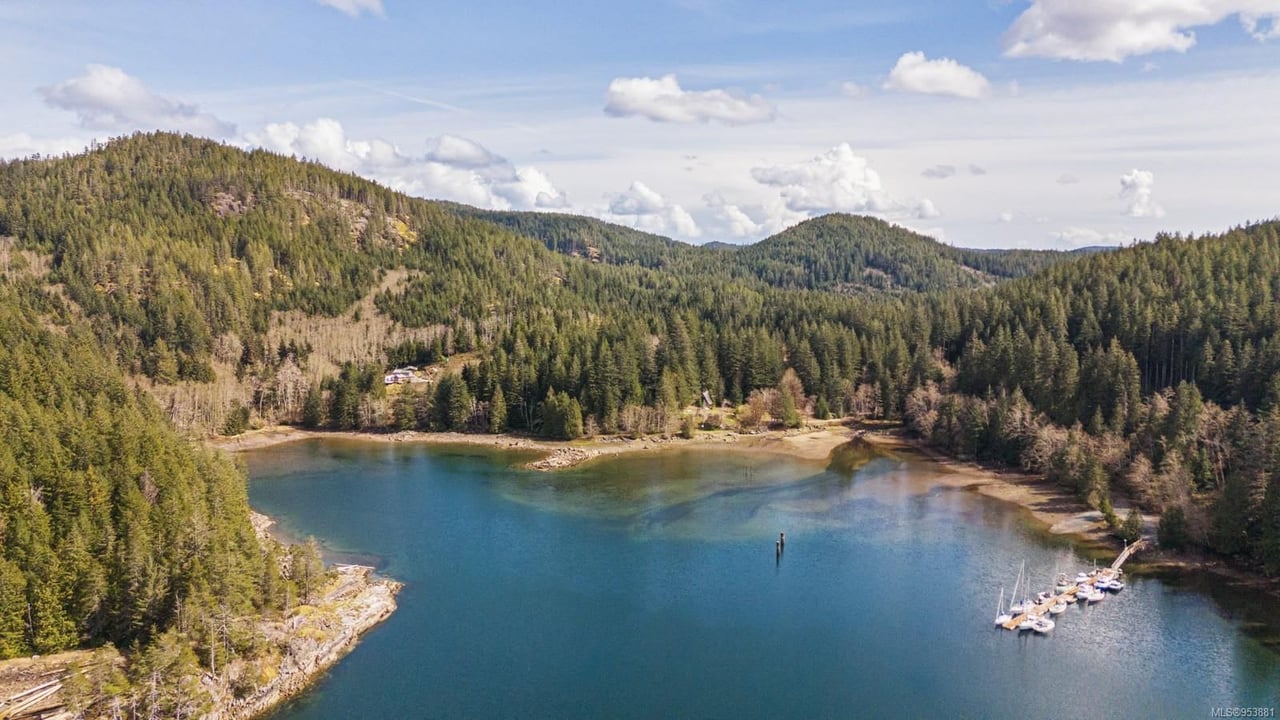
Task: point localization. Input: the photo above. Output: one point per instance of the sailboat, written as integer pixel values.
(1017, 607)
(1002, 617)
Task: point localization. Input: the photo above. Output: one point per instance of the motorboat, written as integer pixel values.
(1061, 583)
(1116, 585)
(1043, 597)
(1057, 608)
(1042, 625)
(1027, 624)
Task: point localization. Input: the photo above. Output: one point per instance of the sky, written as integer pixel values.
(982, 123)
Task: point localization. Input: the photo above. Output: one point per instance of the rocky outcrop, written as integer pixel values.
(562, 458)
(309, 642)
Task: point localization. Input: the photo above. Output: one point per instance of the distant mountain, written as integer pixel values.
(579, 236)
(843, 253)
(719, 245)
(850, 253)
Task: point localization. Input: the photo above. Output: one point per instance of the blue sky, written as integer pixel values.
(1028, 123)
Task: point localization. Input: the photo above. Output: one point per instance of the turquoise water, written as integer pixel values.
(647, 587)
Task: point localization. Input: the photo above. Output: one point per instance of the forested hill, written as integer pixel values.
(112, 526)
(248, 287)
(589, 238)
(851, 253)
(843, 253)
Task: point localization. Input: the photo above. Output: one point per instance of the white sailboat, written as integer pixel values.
(1002, 617)
(1016, 606)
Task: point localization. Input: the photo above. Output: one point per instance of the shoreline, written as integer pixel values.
(813, 443)
(1052, 509)
(1059, 513)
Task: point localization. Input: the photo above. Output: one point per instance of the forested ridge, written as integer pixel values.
(842, 253)
(116, 529)
(1148, 372)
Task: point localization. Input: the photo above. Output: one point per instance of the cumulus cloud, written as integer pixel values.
(460, 152)
(939, 172)
(1108, 30)
(108, 98)
(355, 7)
(1005, 217)
(663, 100)
(645, 209)
(1136, 187)
(453, 168)
(836, 181)
(944, 76)
(925, 210)
(1085, 237)
(730, 219)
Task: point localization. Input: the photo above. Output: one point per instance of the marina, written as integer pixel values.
(1089, 587)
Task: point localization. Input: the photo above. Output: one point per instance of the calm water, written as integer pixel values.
(647, 588)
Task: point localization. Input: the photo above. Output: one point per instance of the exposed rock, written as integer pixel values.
(312, 640)
(562, 458)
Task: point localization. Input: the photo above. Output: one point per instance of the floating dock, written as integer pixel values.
(1107, 573)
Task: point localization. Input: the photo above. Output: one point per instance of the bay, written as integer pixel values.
(648, 586)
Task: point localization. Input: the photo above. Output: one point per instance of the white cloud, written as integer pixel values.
(663, 100)
(1086, 237)
(645, 209)
(916, 73)
(925, 210)
(22, 145)
(1067, 179)
(460, 152)
(1261, 27)
(835, 181)
(1006, 217)
(108, 98)
(731, 220)
(453, 168)
(1136, 187)
(851, 89)
(355, 7)
(1115, 29)
(939, 172)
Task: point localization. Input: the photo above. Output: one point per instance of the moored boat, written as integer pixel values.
(1002, 617)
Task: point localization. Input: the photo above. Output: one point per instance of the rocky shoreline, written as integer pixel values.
(312, 642)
